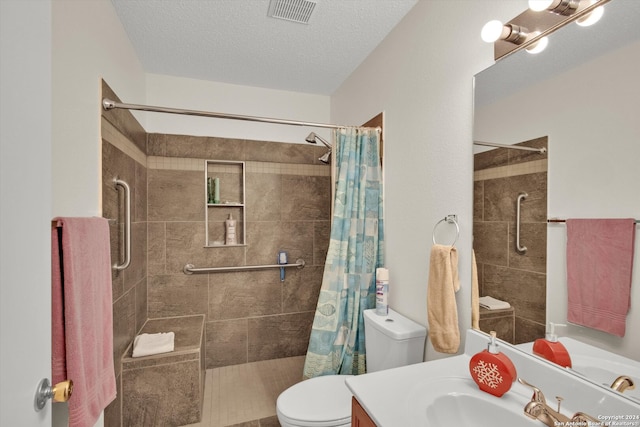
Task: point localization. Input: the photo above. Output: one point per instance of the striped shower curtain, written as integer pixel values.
(336, 345)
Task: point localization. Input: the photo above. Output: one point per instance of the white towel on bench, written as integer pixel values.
(148, 344)
(493, 303)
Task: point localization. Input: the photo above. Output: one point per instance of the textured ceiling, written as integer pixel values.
(234, 41)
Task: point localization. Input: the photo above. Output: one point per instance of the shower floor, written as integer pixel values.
(245, 395)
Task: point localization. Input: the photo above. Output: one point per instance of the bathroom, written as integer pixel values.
(428, 129)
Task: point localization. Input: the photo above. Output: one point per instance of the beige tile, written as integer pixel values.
(175, 195)
(301, 289)
(491, 242)
(156, 248)
(123, 120)
(162, 395)
(177, 295)
(305, 197)
(534, 237)
(244, 294)
(525, 291)
(185, 245)
(226, 343)
(247, 393)
(500, 198)
(279, 336)
(141, 303)
(264, 242)
(124, 325)
(321, 236)
(263, 197)
(137, 269)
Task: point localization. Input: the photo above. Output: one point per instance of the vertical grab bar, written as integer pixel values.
(518, 247)
(127, 225)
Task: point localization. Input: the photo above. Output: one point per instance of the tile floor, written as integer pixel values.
(245, 395)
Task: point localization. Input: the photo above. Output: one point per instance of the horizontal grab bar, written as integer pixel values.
(191, 269)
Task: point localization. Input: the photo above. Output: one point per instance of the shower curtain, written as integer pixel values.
(336, 345)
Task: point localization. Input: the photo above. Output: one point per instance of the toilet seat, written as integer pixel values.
(317, 402)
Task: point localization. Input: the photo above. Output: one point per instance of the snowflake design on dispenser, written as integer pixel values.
(488, 373)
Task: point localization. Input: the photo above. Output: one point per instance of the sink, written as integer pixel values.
(597, 365)
(606, 371)
(457, 401)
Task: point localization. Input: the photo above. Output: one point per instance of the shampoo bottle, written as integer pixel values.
(230, 225)
(382, 291)
(552, 349)
(492, 370)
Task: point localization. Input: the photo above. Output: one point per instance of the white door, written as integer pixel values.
(25, 209)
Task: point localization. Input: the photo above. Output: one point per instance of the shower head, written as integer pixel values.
(326, 157)
(312, 139)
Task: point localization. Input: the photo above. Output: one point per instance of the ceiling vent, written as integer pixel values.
(292, 10)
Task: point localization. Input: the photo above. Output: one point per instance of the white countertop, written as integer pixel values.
(396, 397)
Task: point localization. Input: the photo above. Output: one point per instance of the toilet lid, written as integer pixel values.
(319, 401)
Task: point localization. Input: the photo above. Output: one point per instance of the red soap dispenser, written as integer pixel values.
(552, 349)
(492, 370)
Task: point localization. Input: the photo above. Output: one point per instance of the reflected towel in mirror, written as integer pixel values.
(599, 266)
(491, 303)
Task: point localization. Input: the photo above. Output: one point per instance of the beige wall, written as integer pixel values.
(421, 76)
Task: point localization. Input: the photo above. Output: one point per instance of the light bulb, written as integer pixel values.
(538, 46)
(591, 17)
(539, 5)
(492, 31)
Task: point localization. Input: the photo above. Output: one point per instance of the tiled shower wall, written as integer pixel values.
(123, 157)
(250, 315)
(500, 175)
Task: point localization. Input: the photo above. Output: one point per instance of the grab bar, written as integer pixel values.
(518, 247)
(127, 225)
(190, 268)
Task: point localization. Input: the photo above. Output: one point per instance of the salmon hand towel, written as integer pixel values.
(82, 319)
(599, 267)
(441, 300)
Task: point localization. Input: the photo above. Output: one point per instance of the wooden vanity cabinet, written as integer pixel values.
(359, 417)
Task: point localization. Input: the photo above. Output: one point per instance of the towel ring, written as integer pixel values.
(451, 219)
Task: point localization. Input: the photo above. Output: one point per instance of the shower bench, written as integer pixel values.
(167, 388)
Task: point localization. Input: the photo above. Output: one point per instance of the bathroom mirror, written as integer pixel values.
(581, 96)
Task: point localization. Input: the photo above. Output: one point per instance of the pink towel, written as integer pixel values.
(599, 265)
(82, 327)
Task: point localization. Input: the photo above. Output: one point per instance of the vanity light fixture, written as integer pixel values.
(496, 30)
(530, 29)
(591, 17)
(538, 46)
(559, 7)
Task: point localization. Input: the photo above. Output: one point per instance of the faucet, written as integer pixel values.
(538, 409)
(623, 383)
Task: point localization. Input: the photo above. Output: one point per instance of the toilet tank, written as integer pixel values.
(392, 340)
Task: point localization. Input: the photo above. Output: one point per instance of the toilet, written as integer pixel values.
(391, 341)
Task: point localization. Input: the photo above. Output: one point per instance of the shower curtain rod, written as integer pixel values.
(109, 104)
(513, 147)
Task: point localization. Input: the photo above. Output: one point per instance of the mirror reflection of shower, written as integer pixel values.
(312, 138)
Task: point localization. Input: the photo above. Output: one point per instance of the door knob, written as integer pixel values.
(60, 392)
